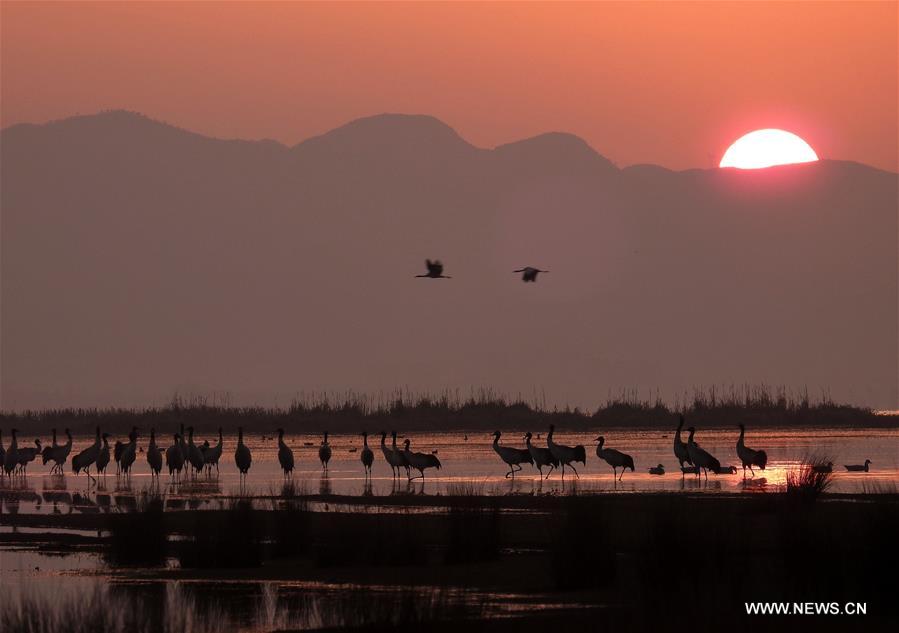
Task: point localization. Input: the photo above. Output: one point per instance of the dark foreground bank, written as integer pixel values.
(613, 561)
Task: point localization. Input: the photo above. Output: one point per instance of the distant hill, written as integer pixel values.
(139, 259)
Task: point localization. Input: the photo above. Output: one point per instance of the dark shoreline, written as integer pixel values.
(611, 554)
(443, 414)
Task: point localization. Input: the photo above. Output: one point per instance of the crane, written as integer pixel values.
(565, 454)
(615, 459)
(103, 456)
(701, 459)
(285, 455)
(324, 452)
(84, 459)
(541, 456)
(420, 461)
(117, 453)
(391, 455)
(174, 458)
(11, 458)
(367, 457)
(748, 456)
(48, 450)
(212, 454)
(154, 455)
(400, 455)
(511, 456)
(680, 448)
(129, 453)
(435, 270)
(194, 454)
(27, 455)
(529, 273)
(242, 456)
(59, 453)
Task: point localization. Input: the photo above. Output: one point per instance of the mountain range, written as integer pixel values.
(139, 259)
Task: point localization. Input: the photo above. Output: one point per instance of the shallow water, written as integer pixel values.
(468, 466)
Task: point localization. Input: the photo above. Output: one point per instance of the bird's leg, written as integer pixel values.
(614, 472)
(575, 471)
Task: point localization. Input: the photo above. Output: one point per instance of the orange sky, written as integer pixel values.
(671, 84)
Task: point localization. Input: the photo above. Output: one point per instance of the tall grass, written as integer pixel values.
(482, 409)
(811, 479)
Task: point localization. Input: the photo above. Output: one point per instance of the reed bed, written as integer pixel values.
(480, 410)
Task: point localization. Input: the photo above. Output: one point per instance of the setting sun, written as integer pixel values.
(766, 148)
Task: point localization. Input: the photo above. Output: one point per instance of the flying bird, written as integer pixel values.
(529, 273)
(435, 270)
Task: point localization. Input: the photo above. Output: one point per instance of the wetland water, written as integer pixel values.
(468, 466)
(37, 564)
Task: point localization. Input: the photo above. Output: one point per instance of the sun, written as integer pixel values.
(766, 148)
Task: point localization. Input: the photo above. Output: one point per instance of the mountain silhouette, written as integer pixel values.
(139, 259)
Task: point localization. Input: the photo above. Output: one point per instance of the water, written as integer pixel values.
(468, 466)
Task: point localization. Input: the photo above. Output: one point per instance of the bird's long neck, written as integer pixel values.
(690, 439)
(495, 441)
(280, 438)
(365, 441)
(54, 437)
(152, 438)
(527, 440)
(240, 437)
(383, 440)
(740, 440)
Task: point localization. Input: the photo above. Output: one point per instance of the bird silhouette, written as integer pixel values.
(748, 456)
(129, 454)
(542, 456)
(529, 273)
(858, 468)
(103, 455)
(194, 454)
(615, 459)
(174, 458)
(435, 270)
(324, 452)
(285, 454)
(242, 456)
(680, 447)
(512, 456)
(154, 455)
(565, 454)
(420, 461)
(391, 455)
(367, 457)
(701, 459)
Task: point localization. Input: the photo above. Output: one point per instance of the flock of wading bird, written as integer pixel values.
(196, 459)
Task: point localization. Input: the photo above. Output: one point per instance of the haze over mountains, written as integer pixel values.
(139, 259)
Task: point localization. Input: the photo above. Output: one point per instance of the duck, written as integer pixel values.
(858, 468)
(657, 470)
